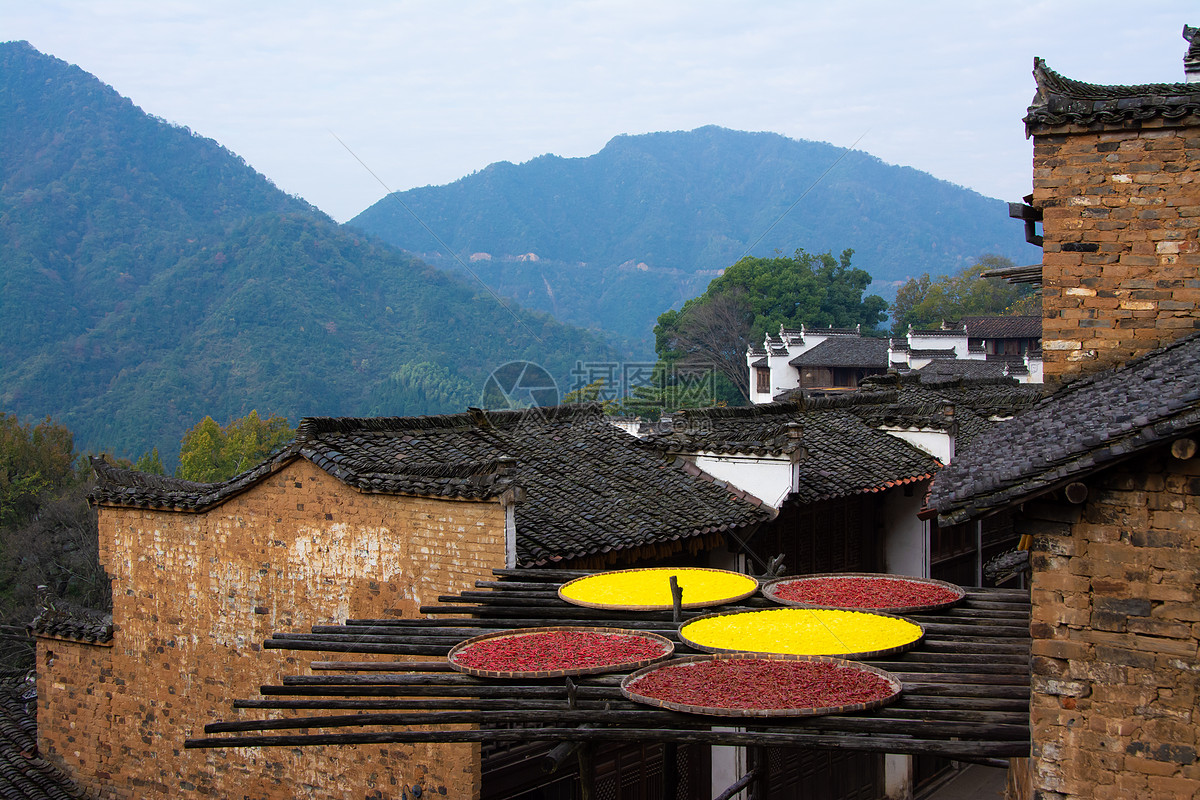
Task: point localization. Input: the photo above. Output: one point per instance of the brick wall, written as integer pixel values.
(1121, 257)
(194, 596)
(1116, 623)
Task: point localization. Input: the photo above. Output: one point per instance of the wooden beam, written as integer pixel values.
(1184, 448)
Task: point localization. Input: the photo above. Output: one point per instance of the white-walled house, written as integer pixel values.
(841, 358)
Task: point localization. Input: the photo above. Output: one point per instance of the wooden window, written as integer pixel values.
(763, 378)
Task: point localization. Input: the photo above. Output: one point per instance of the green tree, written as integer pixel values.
(594, 392)
(671, 387)
(150, 463)
(756, 296)
(210, 453)
(34, 460)
(926, 303)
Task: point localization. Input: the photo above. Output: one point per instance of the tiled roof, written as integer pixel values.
(1061, 101)
(590, 488)
(978, 400)
(1085, 426)
(948, 329)
(1016, 327)
(24, 775)
(126, 487)
(843, 455)
(762, 362)
(845, 351)
(942, 368)
(947, 353)
(80, 625)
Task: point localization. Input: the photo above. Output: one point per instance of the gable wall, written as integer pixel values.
(1121, 257)
(194, 596)
(1116, 626)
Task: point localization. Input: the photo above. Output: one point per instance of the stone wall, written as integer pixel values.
(1121, 259)
(1116, 623)
(195, 595)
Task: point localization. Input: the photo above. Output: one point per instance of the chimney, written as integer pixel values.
(1191, 60)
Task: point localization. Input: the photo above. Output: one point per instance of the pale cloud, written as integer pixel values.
(425, 92)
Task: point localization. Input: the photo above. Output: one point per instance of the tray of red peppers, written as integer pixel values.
(554, 652)
(748, 685)
(864, 591)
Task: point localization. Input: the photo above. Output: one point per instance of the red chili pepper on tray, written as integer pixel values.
(557, 650)
(852, 591)
(761, 684)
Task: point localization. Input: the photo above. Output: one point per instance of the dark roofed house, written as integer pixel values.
(841, 362)
(1102, 476)
(849, 474)
(841, 359)
(355, 518)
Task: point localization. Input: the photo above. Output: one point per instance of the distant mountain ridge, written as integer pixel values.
(622, 235)
(149, 277)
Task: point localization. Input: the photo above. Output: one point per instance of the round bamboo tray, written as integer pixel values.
(771, 588)
(629, 688)
(786, 619)
(663, 575)
(668, 648)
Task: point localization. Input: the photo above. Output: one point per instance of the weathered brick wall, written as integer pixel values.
(74, 702)
(1116, 622)
(194, 595)
(1121, 260)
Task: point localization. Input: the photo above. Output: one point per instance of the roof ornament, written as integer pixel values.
(1191, 60)
(479, 417)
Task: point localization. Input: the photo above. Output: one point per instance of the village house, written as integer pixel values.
(356, 518)
(1102, 475)
(367, 517)
(842, 358)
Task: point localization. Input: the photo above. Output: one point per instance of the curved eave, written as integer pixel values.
(223, 493)
(1064, 103)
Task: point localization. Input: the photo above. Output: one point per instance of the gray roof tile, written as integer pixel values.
(844, 455)
(1015, 327)
(1062, 101)
(24, 774)
(845, 351)
(1084, 426)
(590, 487)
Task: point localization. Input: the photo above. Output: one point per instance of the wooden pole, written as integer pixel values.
(587, 771)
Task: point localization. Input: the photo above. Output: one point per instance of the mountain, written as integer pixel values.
(614, 239)
(149, 277)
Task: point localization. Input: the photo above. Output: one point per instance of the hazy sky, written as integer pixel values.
(426, 92)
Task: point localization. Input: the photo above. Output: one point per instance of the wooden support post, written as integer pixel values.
(670, 771)
(587, 771)
(676, 599)
(760, 787)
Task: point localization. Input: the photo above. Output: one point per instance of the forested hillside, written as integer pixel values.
(621, 236)
(149, 277)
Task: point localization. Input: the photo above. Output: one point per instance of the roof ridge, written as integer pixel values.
(315, 426)
(1056, 81)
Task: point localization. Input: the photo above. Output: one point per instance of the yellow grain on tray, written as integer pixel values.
(802, 631)
(652, 587)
